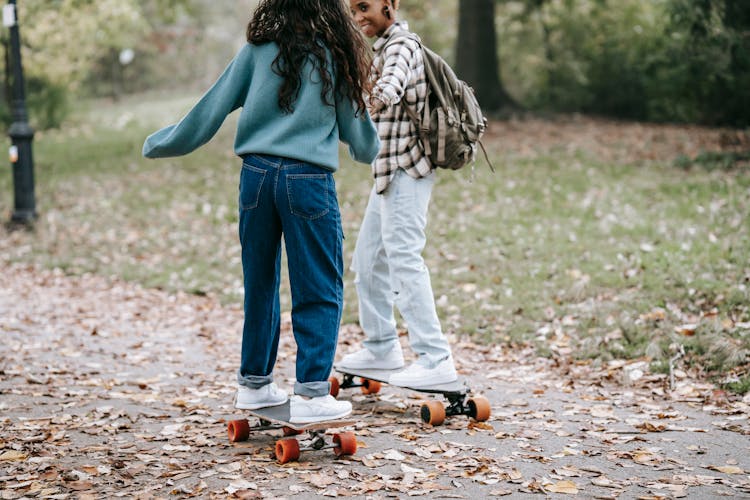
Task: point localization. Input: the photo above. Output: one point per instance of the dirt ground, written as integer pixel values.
(112, 390)
(611, 141)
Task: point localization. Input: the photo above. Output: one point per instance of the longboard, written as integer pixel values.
(289, 448)
(431, 412)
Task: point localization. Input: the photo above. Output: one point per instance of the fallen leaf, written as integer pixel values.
(500, 493)
(568, 487)
(604, 482)
(12, 456)
(393, 455)
(602, 412)
(687, 330)
(727, 469)
(646, 458)
(651, 427)
(321, 480)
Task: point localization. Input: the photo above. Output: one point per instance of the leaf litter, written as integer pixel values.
(110, 389)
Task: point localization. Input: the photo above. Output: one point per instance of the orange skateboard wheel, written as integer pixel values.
(370, 386)
(238, 430)
(346, 443)
(334, 386)
(287, 450)
(479, 408)
(433, 413)
(288, 431)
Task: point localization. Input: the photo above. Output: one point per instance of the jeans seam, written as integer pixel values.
(263, 160)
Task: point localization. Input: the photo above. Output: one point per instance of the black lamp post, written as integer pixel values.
(21, 133)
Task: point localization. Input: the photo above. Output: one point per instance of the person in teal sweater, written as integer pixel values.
(300, 81)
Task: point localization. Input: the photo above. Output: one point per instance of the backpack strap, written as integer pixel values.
(421, 131)
(418, 124)
(486, 158)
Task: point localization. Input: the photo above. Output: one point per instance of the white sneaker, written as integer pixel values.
(322, 408)
(416, 375)
(252, 399)
(364, 358)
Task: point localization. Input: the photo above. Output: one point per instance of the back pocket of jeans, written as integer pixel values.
(251, 182)
(308, 195)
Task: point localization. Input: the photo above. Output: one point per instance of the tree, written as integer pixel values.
(67, 43)
(63, 40)
(476, 54)
(709, 39)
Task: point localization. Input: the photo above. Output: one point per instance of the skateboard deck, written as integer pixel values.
(289, 448)
(280, 415)
(431, 412)
(459, 387)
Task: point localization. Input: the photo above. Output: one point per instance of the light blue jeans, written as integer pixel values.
(389, 270)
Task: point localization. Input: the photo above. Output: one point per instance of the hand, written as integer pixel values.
(376, 105)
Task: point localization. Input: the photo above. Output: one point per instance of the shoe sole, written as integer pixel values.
(426, 383)
(258, 406)
(371, 366)
(315, 420)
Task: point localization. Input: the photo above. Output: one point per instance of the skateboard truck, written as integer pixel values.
(289, 448)
(431, 412)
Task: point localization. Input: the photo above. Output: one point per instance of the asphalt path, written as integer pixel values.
(111, 390)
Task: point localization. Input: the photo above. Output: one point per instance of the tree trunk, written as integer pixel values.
(476, 54)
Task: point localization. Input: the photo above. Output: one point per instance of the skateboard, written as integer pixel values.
(432, 412)
(289, 448)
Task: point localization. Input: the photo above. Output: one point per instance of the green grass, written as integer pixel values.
(584, 258)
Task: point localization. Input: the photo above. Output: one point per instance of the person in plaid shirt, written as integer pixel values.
(388, 259)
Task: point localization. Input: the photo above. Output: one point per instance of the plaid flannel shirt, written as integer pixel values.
(398, 72)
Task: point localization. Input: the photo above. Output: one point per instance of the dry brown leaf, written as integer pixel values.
(727, 469)
(485, 426)
(651, 427)
(567, 471)
(687, 330)
(567, 487)
(321, 480)
(501, 493)
(79, 485)
(646, 458)
(604, 482)
(12, 456)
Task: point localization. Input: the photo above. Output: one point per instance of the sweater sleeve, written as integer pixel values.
(357, 131)
(397, 71)
(204, 119)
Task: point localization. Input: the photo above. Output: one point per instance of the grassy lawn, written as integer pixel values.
(585, 255)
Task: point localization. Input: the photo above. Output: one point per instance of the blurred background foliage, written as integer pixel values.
(653, 60)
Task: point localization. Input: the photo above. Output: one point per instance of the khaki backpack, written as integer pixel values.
(452, 121)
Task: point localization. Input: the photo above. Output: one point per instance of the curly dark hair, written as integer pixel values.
(304, 29)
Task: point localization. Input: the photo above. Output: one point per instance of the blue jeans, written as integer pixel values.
(279, 196)
(390, 271)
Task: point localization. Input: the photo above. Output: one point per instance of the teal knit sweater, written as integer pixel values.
(311, 133)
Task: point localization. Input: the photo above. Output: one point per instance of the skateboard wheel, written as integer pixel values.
(346, 444)
(334, 391)
(433, 413)
(238, 430)
(370, 386)
(479, 408)
(287, 450)
(288, 431)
